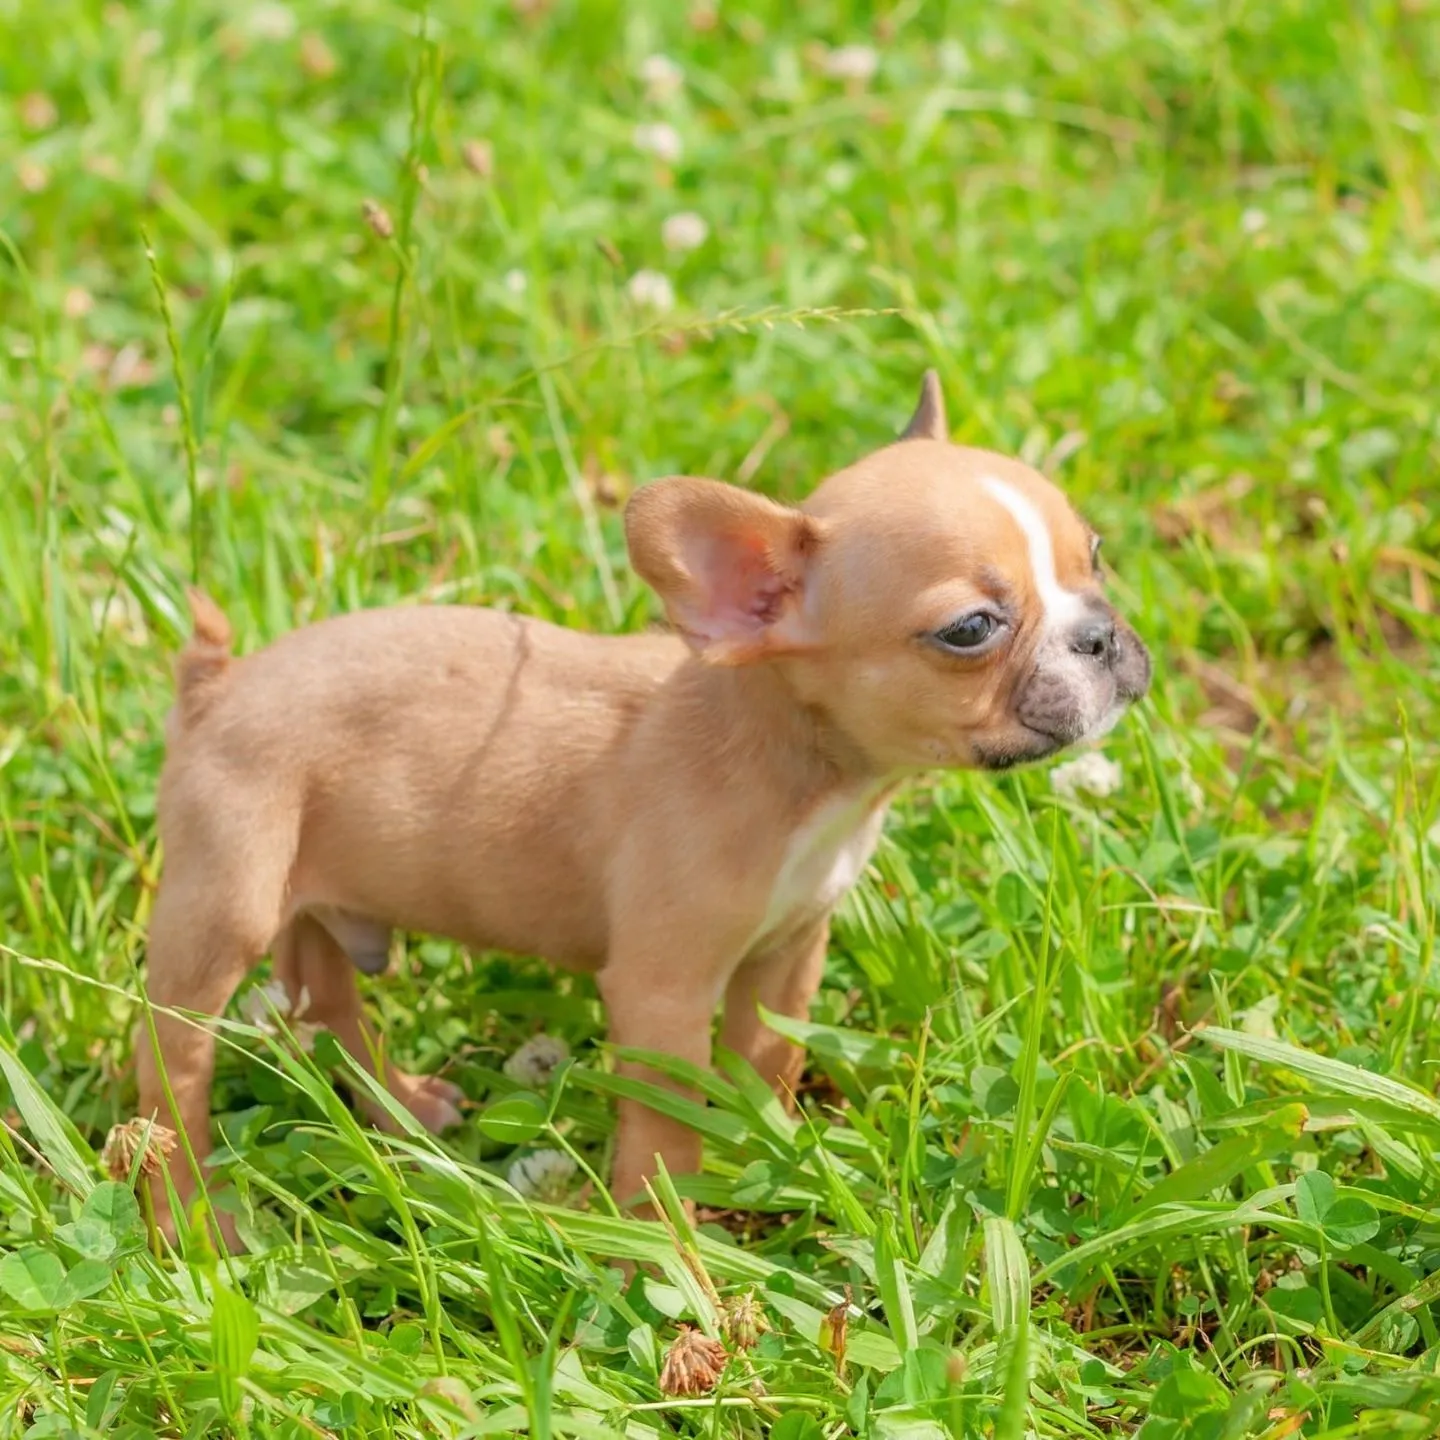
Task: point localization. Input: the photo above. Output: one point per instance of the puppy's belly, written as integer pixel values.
(492, 909)
(366, 942)
(497, 860)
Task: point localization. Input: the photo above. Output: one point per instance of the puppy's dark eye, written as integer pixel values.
(969, 632)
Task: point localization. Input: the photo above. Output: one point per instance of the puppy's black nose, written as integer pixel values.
(1096, 638)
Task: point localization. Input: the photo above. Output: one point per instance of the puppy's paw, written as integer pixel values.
(434, 1102)
(218, 1230)
(229, 1238)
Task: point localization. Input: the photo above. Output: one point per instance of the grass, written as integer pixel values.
(1120, 1115)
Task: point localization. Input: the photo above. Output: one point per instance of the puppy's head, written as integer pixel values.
(941, 606)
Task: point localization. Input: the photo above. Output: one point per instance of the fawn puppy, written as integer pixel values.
(678, 814)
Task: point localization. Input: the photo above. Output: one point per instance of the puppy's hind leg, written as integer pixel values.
(320, 979)
(220, 901)
(784, 982)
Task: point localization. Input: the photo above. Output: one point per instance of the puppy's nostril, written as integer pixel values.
(1095, 638)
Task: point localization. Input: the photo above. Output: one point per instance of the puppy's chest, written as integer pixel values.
(823, 860)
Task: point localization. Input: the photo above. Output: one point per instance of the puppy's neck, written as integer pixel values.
(757, 724)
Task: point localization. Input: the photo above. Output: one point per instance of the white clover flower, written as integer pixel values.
(256, 1009)
(33, 176)
(1259, 1019)
(953, 59)
(1190, 791)
(651, 290)
(856, 63)
(257, 1002)
(120, 615)
(544, 1175)
(37, 111)
(537, 1060)
(1253, 220)
(78, 302)
(1093, 773)
(115, 533)
(131, 368)
(517, 282)
(270, 22)
(317, 59)
(479, 156)
(661, 77)
(660, 140)
(684, 231)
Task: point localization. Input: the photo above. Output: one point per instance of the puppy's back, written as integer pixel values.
(366, 675)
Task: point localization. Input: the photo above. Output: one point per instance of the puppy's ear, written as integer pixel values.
(928, 422)
(730, 566)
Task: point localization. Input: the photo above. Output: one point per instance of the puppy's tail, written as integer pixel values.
(200, 670)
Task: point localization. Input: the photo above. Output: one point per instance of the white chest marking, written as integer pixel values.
(1062, 607)
(824, 859)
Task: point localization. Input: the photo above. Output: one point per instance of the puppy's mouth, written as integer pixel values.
(1028, 748)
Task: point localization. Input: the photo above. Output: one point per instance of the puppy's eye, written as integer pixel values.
(969, 632)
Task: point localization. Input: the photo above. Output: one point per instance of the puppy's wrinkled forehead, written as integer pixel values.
(964, 522)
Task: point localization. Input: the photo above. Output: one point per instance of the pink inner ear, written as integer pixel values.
(738, 592)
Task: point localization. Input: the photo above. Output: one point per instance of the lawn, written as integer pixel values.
(1119, 1115)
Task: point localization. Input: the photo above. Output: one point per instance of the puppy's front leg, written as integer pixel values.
(785, 982)
(657, 999)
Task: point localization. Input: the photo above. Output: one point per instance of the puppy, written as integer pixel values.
(677, 814)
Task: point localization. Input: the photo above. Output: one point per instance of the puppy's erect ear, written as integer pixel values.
(928, 421)
(730, 565)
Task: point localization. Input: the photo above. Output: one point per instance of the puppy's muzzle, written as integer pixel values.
(1083, 683)
(1097, 638)
(1105, 640)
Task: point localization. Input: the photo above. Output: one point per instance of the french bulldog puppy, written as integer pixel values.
(678, 814)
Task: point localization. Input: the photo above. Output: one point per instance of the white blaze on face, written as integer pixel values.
(1063, 608)
(1090, 687)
